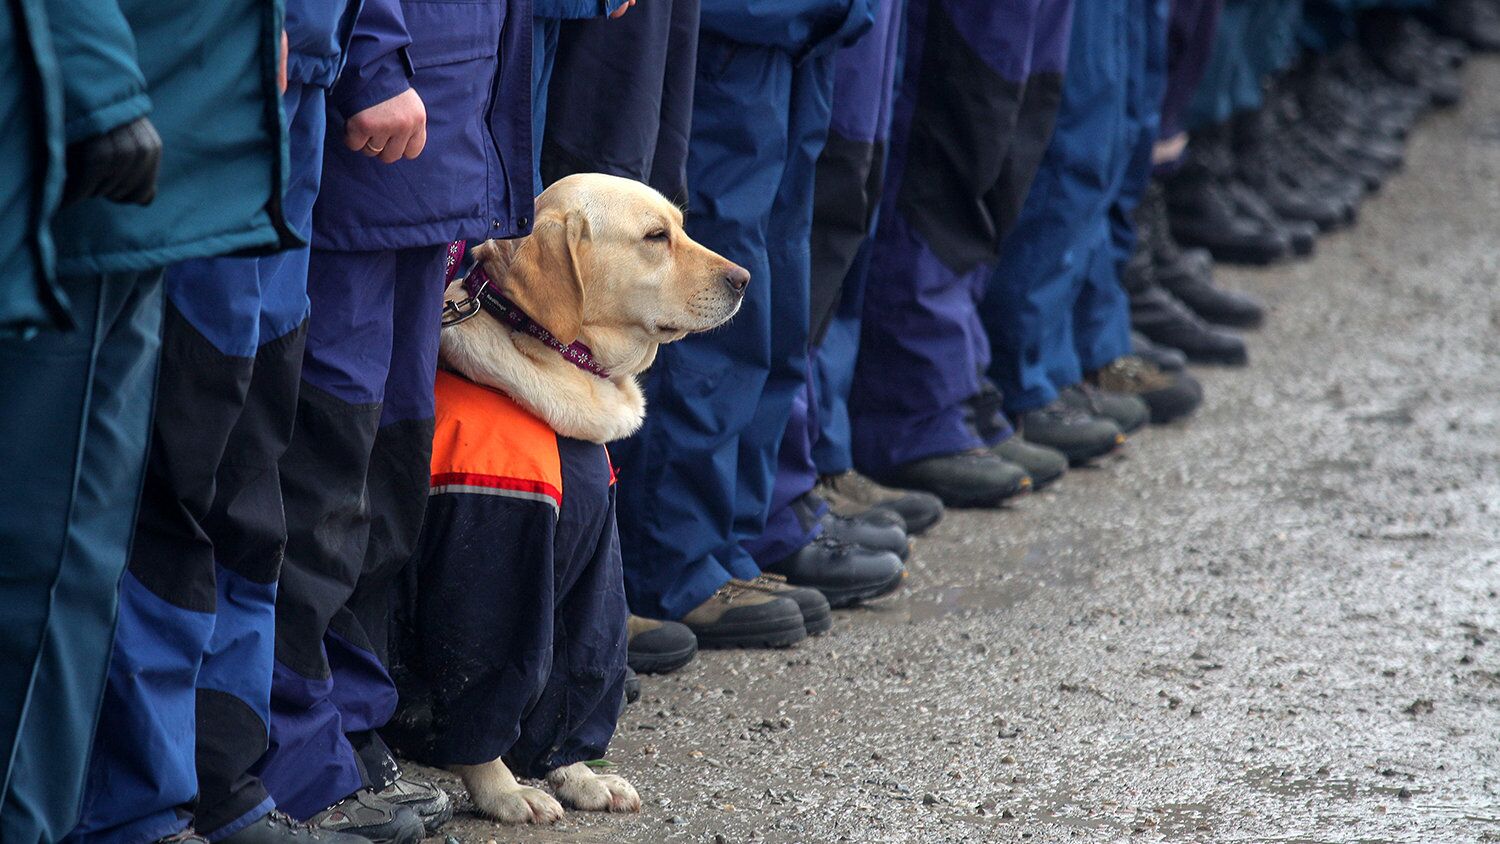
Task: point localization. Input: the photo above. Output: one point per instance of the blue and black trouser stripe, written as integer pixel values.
(973, 114)
(1056, 309)
(846, 194)
(355, 484)
(698, 478)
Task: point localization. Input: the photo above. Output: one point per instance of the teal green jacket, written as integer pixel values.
(209, 68)
(31, 171)
(204, 71)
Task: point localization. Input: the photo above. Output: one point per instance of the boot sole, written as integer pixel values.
(961, 498)
(432, 823)
(1242, 254)
(1040, 482)
(662, 663)
(1219, 360)
(819, 623)
(842, 598)
(1224, 321)
(409, 835)
(980, 502)
(1324, 223)
(924, 526)
(757, 636)
(1082, 458)
(1172, 414)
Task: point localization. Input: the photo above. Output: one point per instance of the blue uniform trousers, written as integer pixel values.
(1255, 38)
(72, 454)
(846, 194)
(1056, 309)
(973, 112)
(1102, 317)
(696, 481)
(543, 59)
(546, 29)
(364, 423)
(835, 358)
(1146, 87)
(636, 126)
(1191, 31)
(189, 688)
(793, 519)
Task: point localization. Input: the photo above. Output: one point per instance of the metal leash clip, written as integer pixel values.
(463, 309)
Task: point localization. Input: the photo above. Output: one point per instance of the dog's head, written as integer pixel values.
(608, 260)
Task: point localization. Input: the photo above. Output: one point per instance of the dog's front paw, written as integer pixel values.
(622, 796)
(496, 794)
(580, 788)
(519, 805)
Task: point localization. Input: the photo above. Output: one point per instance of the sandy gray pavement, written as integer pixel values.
(1279, 621)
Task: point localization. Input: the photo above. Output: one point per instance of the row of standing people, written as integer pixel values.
(937, 200)
(1012, 213)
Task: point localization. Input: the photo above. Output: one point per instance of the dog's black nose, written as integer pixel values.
(737, 277)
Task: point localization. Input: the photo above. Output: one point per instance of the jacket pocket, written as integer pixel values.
(451, 31)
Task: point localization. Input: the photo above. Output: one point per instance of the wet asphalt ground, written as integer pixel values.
(1279, 621)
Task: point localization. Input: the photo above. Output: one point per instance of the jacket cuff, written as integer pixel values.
(100, 120)
(387, 77)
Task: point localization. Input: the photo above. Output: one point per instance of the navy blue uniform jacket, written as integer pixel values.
(470, 60)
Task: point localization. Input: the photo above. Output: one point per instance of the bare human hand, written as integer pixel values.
(624, 7)
(390, 130)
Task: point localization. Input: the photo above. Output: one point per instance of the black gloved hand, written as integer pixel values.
(120, 165)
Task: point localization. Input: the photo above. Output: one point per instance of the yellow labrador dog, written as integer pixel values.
(607, 263)
(548, 332)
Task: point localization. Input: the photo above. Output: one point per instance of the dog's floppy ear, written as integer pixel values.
(545, 277)
(495, 255)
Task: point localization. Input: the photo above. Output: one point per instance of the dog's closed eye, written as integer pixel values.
(657, 235)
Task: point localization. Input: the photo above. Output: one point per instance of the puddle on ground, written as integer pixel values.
(1174, 821)
(939, 602)
(1018, 571)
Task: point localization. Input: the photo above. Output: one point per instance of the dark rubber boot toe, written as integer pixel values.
(1043, 464)
(741, 616)
(845, 574)
(968, 479)
(867, 534)
(659, 647)
(1079, 436)
(1128, 413)
(1164, 320)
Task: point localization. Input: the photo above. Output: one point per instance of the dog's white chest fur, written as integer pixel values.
(573, 402)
